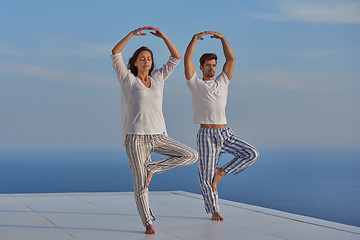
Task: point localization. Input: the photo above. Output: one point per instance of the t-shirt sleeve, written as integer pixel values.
(191, 82)
(166, 69)
(223, 78)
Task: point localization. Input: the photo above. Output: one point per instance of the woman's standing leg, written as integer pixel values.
(138, 148)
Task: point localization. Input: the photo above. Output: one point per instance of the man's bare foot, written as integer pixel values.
(148, 178)
(150, 229)
(219, 174)
(216, 217)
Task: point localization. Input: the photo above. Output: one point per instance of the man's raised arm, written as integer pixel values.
(229, 64)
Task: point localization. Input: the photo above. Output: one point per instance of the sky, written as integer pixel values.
(296, 82)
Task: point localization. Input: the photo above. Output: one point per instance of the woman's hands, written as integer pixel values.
(139, 32)
(156, 32)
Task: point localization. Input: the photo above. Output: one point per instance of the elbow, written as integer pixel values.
(177, 56)
(115, 51)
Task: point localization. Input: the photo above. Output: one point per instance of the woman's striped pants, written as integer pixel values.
(138, 148)
(211, 144)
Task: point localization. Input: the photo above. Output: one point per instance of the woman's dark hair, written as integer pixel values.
(207, 56)
(132, 60)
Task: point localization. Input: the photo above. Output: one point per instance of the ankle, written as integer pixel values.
(221, 171)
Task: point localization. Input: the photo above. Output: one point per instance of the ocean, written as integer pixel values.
(323, 184)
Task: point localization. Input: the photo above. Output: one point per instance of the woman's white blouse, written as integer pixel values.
(141, 107)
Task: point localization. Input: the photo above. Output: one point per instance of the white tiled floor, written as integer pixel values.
(180, 215)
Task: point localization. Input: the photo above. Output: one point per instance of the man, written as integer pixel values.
(209, 96)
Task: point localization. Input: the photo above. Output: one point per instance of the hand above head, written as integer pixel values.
(216, 35)
(213, 33)
(200, 35)
(139, 32)
(229, 55)
(158, 33)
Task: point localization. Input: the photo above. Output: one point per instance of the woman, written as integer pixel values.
(142, 118)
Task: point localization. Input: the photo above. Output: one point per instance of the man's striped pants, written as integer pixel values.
(211, 144)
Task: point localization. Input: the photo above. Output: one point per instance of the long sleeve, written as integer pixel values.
(120, 67)
(166, 69)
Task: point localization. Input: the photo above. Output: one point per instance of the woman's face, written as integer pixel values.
(143, 61)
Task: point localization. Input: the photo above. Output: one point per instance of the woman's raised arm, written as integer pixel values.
(173, 51)
(120, 46)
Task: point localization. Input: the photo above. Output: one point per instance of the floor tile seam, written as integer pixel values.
(65, 212)
(158, 229)
(295, 220)
(42, 216)
(270, 214)
(196, 214)
(243, 227)
(200, 215)
(101, 207)
(35, 194)
(112, 211)
(5, 195)
(266, 233)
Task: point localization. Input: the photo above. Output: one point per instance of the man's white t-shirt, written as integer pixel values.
(209, 99)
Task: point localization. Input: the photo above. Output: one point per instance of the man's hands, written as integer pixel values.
(160, 34)
(188, 63)
(139, 32)
(228, 67)
(213, 33)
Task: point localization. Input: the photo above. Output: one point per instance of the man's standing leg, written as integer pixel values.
(209, 149)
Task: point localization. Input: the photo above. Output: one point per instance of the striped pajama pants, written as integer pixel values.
(138, 149)
(211, 144)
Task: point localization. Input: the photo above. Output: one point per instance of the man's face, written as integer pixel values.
(208, 68)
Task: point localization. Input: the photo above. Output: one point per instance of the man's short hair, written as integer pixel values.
(207, 56)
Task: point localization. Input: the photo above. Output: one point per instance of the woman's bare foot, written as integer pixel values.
(219, 174)
(216, 217)
(148, 178)
(150, 229)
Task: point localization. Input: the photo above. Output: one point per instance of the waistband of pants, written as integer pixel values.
(215, 130)
(146, 135)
